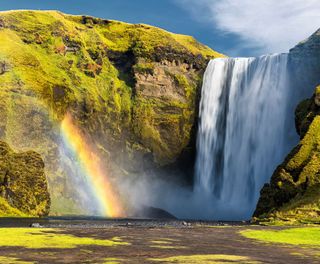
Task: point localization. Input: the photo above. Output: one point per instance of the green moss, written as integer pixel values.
(293, 236)
(163, 132)
(145, 68)
(207, 259)
(40, 68)
(7, 210)
(23, 183)
(145, 39)
(309, 144)
(48, 238)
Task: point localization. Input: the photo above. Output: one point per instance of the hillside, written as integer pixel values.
(132, 88)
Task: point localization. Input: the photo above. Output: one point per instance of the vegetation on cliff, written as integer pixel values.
(133, 88)
(23, 184)
(294, 192)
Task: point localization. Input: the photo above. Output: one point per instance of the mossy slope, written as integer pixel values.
(293, 194)
(132, 88)
(23, 184)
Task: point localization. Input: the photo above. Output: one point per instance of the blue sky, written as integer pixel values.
(233, 27)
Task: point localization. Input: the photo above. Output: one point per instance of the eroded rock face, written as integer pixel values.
(23, 183)
(166, 96)
(294, 191)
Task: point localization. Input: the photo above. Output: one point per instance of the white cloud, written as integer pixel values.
(272, 25)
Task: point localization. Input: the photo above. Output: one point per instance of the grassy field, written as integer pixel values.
(155, 244)
(306, 236)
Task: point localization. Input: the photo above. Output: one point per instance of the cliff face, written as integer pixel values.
(132, 88)
(293, 194)
(305, 63)
(23, 184)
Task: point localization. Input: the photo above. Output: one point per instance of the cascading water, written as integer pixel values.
(241, 137)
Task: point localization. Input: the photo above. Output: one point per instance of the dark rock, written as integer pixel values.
(4, 67)
(153, 213)
(2, 24)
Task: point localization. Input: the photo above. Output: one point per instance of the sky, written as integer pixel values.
(238, 28)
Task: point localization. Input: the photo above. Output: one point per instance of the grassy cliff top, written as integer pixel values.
(49, 55)
(117, 36)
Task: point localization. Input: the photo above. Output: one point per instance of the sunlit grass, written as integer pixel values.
(112, 261)
(48, 238)
(308, 236)
(201, 259)
(7, 210)
(10, 260)
(168, 247)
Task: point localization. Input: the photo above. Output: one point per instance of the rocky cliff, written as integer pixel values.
(132, 88)
(23, 184)
(305, 63)
(293, 194)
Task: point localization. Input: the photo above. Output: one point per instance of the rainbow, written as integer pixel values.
(91, 166)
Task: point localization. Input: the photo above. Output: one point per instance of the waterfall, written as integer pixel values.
(241, 135)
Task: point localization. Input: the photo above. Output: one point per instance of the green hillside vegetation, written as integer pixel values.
(132, 88)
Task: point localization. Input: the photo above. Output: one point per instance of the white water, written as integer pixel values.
(241, 137)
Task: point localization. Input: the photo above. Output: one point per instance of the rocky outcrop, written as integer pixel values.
(294, 191)
(308, 48)
(132, 88)
(23, 184)
(304, 60)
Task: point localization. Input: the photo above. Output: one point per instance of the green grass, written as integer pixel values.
(161, 242)
(202, 259)
(10, 260)
(112, 261)
(48, 238)
(307, 236)
(166, 244)
(168, 247)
